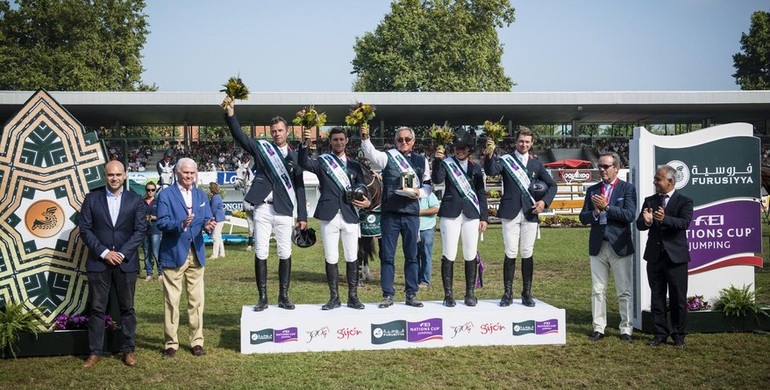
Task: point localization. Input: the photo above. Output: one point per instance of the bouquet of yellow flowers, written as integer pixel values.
(360, 114)
(236, 89)
(494, 130)
(441, 135)
(308, 117)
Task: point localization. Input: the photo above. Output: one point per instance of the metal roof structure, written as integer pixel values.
(107, 109)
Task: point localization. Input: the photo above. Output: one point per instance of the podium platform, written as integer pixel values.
(308, 328)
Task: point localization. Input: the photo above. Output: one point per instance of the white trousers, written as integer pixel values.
(454, 229)
(218, 248)
(332, 231)
(266, 220)
(600, 273)
(519, 229)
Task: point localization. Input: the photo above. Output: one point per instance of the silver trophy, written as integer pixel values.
(408, 185)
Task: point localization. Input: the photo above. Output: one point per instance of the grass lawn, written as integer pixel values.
(562, 278)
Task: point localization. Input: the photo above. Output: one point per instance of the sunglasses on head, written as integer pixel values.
(605, 166)
(404, 139)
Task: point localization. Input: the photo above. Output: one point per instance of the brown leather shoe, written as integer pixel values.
(92, 359)
(169, 353)
(198, 350)
(129, 359)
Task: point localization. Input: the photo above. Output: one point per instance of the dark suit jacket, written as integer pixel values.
(264, 181)
(453, 202)
(125, 236)
(672, 232)
(511, 201)
(175, 241)
(332, 199)
(620, 215)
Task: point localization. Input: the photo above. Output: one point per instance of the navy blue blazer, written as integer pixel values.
(331, 199)
(672, 232)
(511, 201)
(125, 236)
(175, 241)
(620, 214)
(453, 202)
(264, 182)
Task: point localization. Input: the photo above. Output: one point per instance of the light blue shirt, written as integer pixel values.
(428, 221)
(113, 204)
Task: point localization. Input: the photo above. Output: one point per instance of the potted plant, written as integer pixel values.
(740, 303)
(15, 320)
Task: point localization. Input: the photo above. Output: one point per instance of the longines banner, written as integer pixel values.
(719, 169)
(308, 328)
(48, 162)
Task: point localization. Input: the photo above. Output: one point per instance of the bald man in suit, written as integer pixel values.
(667, 215)
(112, 224)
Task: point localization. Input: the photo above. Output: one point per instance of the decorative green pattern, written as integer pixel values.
(47, 164)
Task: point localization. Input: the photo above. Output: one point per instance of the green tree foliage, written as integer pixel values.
(70, 45)
(752, 64)
(435, 45)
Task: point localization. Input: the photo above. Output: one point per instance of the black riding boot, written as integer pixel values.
(260, 275)
(509, 268)
(333, 278)
(527, 268)
(351, 273)
(470, 283)
(284, 274)
(447, 274)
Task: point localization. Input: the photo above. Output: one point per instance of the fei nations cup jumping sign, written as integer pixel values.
(719, 169)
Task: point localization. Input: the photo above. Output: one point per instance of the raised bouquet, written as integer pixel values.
(494, 131)
(441, 135)
(236, 89)
(308, 117)
(360, 115)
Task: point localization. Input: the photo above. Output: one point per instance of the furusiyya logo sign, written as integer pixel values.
(413, 332)
(535, 327)
(277, 336)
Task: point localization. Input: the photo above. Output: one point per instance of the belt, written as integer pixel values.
(267, 202)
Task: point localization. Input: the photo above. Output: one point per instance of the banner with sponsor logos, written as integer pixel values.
(308, 328)
(719, 169)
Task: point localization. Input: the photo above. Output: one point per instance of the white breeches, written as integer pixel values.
(454, 229)
(332, 231)
(519, 229)
(266, 220)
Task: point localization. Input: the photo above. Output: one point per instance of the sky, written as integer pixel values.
(553, 46)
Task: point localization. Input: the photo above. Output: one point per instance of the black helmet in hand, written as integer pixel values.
(303, 238)
(356, 192)
(538, 188)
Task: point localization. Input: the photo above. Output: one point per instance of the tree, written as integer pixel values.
(752, 64)
(67, 45)
(435, 45)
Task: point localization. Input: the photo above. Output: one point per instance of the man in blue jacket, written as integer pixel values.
(610, 208)
(112, 225)
(183, 215)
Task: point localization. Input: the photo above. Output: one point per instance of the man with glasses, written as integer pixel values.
(610, 208)
(400, 209)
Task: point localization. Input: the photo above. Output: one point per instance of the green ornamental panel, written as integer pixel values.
(48, 163)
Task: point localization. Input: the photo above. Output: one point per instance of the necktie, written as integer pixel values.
(664, 200)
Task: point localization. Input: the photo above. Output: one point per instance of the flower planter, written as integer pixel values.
(63, 342)
(708, 321)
